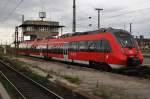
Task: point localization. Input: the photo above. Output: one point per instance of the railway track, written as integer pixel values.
(142, 72)
(26, 87)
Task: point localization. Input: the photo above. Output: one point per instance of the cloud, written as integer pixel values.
(61, 10)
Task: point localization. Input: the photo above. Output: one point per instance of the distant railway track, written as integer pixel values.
(26, 87)
(141, 72)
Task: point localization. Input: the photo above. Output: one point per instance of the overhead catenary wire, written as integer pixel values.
(13, 10)
(116, 16)
(4, 6)
(129, 12)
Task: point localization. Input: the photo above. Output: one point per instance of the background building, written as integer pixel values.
(38, 29)
(144, 43)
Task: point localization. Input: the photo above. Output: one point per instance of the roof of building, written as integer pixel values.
(40, 23)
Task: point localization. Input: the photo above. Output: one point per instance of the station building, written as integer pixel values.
(38, 29)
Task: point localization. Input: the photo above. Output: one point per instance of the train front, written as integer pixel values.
(129, 48)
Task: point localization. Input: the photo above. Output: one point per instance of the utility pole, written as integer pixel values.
(130, 28)
(6, 43)
(22, 19)
(16, 38)
(124, 26)
(1, 43)
(98, 9)
(61, 31)
(22, 36)
(74, 16)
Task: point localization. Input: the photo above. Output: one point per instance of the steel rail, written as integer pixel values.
(12, 85)
(29, 79)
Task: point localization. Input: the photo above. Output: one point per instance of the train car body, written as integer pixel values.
(114, 47)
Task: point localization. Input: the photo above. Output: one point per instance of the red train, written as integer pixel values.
(114, 47)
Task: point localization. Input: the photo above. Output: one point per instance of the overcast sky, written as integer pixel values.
(116, 13)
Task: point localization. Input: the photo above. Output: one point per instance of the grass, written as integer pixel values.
(110, 92)
(72, 79)
(102, 91)
(38, 71)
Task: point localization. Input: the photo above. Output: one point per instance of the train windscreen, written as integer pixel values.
(126, 40)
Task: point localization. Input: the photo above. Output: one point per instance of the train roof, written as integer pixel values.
(74, 35)
(102, 30)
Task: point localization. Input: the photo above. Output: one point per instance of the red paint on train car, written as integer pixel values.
(116, 48)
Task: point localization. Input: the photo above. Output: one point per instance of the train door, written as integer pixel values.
(46, 51)
(106, 50)
(101, 47)
(65, 51)
(41, 52)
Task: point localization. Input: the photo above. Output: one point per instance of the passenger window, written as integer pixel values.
(91, 46)
(105, 46)
(94, 46)
(82, 46)
(73, 46)
(98, 45)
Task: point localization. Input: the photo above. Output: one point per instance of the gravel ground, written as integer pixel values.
(90, 78)
(3, 93)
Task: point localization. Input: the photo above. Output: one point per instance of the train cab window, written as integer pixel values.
(125, 39)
